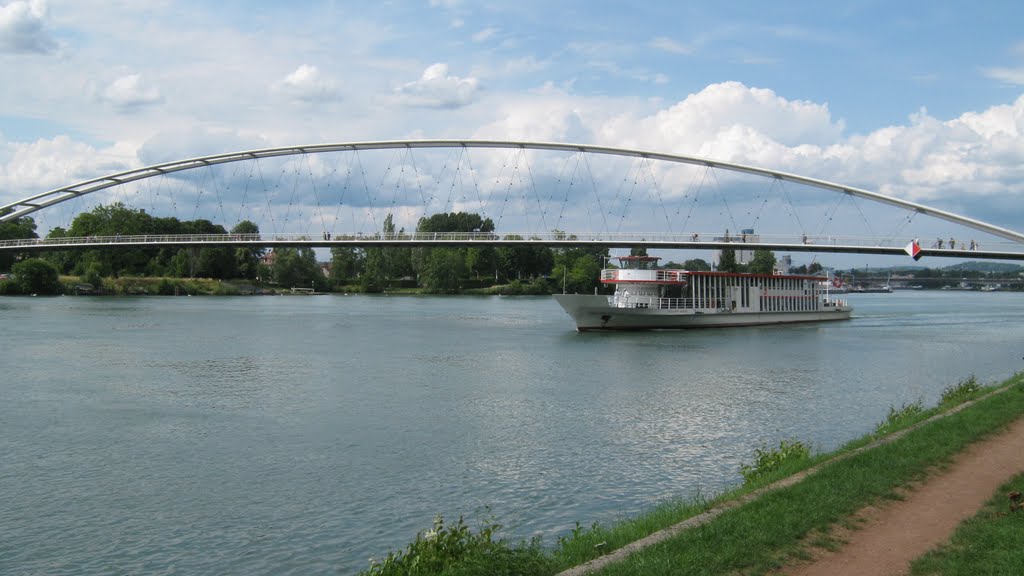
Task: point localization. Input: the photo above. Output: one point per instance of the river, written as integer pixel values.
(304, 434)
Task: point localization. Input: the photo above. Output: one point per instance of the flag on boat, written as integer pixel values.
(914, 249)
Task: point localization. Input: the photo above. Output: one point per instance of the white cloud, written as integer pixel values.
(130, 93)
(23, 27)
(307, 84)
(1014, 76)
(193, 141)
(437, 89)
(670, 45)
(485, 35)
(978, 154)
(28, 168)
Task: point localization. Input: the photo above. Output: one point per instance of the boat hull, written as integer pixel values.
(593, 312)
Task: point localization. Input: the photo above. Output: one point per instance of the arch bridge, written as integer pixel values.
(534, 192)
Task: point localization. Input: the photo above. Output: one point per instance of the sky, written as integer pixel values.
(919, 100)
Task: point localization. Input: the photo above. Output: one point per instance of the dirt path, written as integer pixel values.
(892, 536)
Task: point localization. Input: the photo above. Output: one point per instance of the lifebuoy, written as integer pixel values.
(837, 281)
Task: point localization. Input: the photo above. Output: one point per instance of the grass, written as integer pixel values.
(765, 534)
(988, 543)
(779, 526)
(455, 549)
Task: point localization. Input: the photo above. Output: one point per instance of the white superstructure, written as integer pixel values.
(650, 298)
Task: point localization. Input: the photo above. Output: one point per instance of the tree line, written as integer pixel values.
(521, 269)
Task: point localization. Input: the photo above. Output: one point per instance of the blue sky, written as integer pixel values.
(921, 100)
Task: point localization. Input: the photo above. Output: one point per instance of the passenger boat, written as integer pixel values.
(648, 298)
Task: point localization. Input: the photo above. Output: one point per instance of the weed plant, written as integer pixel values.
(962, 392)
(456, 550)
(767, 461)
(902, 417)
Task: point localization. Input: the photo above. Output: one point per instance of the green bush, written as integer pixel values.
(903, 414)
(768, 460)
(93, 276)
(962, 392)
(36, 276)
(457, 550)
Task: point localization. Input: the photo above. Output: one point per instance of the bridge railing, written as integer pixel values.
(694, 240)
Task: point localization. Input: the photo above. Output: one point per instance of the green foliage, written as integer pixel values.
(763, 262)
(727, 261)
(962, 392)
(297, 268)
(897, 417)
(455, 222)
(697, 265)
(443, 270)
(519, 262)
(16, 229)
(36, 276)
(536, 287)
(346, 264)
(94, 277)
(457, 550)
(769, 460)
(247, 259)
(167, 287)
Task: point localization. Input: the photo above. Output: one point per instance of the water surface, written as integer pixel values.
(276, 435)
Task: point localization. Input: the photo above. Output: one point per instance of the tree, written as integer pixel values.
(475, 261)
(387, 262)
(697, 265)
(580, 275)
(19, 228)
(62, 260)
(444, 268)
(36, 276)
(727, 261)
(113, 220)
(763, 262)
(346, 264)
(518, 262)
(297, 268)
(247, 260)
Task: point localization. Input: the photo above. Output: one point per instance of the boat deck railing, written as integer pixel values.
(653, 302)
(692, 303)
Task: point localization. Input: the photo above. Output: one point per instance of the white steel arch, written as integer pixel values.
(49, 198)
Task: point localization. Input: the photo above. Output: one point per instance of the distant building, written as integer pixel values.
(268, 257)
(744, 254)
(784, 264)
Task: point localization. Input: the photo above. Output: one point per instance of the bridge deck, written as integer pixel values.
(852, 245)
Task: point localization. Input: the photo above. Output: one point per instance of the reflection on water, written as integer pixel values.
(274, 435)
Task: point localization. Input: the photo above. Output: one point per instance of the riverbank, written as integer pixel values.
(788, 514)
(169, 286)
